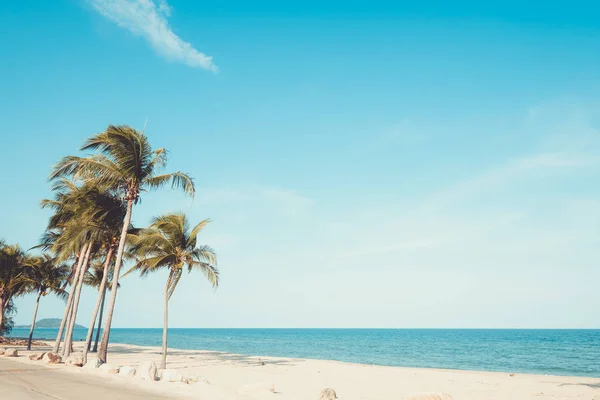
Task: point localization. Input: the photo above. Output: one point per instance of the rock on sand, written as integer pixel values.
(147, 371)
(11, 353)
(171, 375)
(75, 359)
(93, 363)
(36, 356)
(52, 358)
(327, 394)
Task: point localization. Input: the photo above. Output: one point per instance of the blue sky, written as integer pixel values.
(365, 164)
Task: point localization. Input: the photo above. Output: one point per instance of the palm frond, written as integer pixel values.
(192, 239)
(170, 244)
(210, 271)
(179, 180)
(173, 281)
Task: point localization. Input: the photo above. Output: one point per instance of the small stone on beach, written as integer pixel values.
(327, 394)
(196, 379)
(52, 358)
(75, 359)
(36, 356)
(93, 363)
(171, 375)
(11, 353)
(109, 369)
(147, 371)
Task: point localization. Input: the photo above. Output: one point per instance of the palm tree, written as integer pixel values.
(11, 278)
(71, 233)
(88, 216)
(44, 275)
(170, 244)
(124, 164)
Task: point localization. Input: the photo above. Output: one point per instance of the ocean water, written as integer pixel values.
(555, 352)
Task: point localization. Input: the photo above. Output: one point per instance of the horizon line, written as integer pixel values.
(350, 328)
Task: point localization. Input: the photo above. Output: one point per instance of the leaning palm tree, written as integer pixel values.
(44, 275)
(126, 165)
(78, 229)
(168, 243)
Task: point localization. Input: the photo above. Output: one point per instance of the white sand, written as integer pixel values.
(297, 379)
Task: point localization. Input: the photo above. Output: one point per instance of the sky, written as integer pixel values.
(364, 163)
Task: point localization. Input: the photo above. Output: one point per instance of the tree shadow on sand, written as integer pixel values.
(590, 385)
(205, 356)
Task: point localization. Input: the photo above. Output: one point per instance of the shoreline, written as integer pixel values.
(50, 342)
(302, 359)
(554, 352)
(299, 378)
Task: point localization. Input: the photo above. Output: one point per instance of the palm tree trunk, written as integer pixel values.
(37, 304)
(4, 299)
(99, 321)
(163, 362)
(71, 306)
(115, 283)
(90, 334)
(89, 346)
(1, 313)
(69, 302)
(69, 335)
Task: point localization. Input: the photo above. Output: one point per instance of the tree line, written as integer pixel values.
(89, 237)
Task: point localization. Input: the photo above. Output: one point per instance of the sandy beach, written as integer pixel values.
(231, 376)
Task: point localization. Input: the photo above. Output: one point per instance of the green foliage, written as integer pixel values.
(12, 272)
(168, 243)
(45, 274)
(124, 164)
(93, 199)
(11, 283)
(7, 322)
(82, 213)
(93, 277)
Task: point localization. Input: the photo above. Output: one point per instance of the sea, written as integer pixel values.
(553, 352)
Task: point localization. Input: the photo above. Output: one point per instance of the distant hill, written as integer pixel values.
(47, 323)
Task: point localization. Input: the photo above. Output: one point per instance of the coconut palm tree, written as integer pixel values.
(44, 275)
(61, 240)
(12, 281)
(170, 244)
(88, 220)
(126, 165)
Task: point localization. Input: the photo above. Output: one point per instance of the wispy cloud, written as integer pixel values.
(514, 170)
(148, 19)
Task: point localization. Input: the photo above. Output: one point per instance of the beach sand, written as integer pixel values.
(230, 377)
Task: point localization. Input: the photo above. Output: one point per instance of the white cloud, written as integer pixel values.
(513, 170)
(148, 19)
